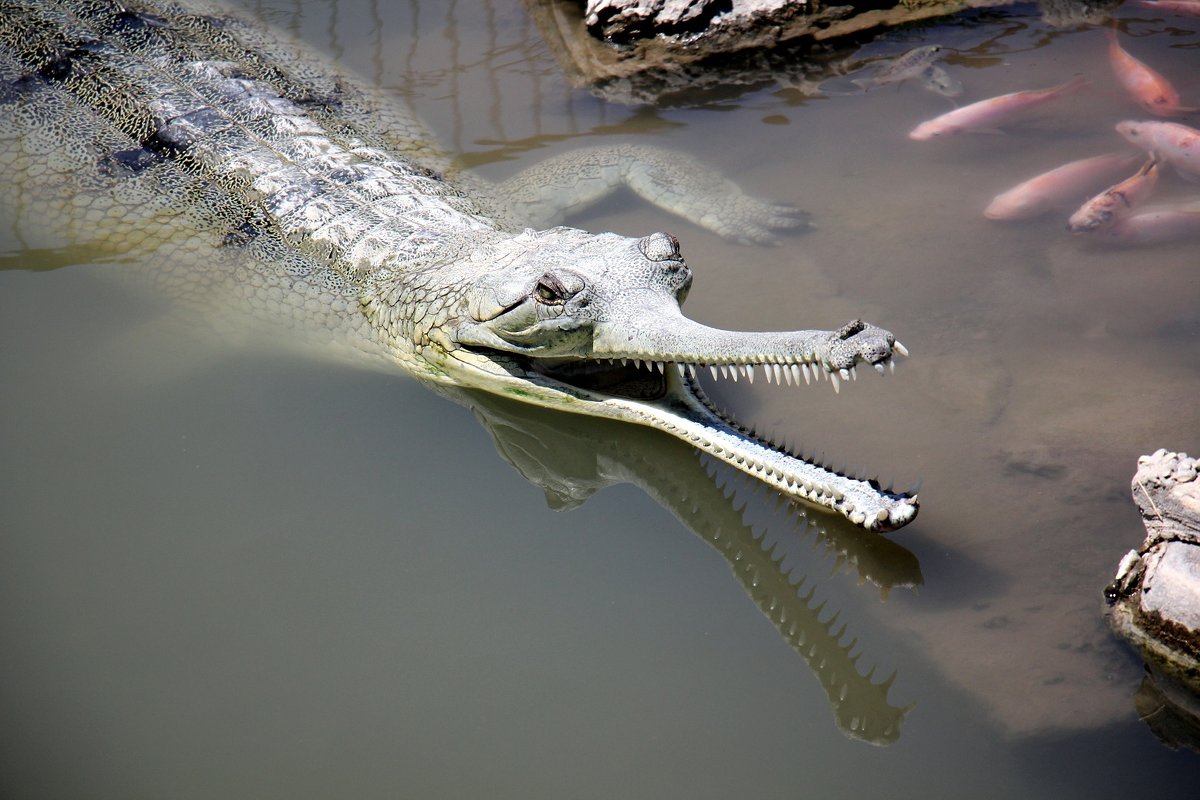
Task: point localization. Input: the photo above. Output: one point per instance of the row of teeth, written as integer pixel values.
(809, 490)
(779, 373)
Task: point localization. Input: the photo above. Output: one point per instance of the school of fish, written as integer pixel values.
(1107, 191)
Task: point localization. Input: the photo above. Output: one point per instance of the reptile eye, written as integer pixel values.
(549, 291)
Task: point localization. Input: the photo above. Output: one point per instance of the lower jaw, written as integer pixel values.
(675, 404)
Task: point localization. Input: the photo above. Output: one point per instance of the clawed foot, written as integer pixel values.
(754, 221)
(542, 194)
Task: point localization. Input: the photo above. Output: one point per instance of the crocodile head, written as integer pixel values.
(591, 323)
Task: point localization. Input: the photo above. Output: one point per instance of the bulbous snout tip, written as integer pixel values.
(660, 247)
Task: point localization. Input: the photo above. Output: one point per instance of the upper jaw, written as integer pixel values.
(782, 356)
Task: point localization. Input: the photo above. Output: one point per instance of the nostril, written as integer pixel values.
(660, 247)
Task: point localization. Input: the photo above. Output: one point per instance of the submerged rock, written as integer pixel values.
(1154, 600)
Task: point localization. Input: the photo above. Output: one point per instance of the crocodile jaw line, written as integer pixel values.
(681, 409)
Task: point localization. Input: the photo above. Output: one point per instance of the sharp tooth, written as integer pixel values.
(682, 370)
(795, 370)
(845, 374)
(733, 373)
(807, 376)
(750, 372)
(662, 367)
(854, 372)
(767, 372)
(713, 368)
(692, 370)
(787, 374)
(624, 362)
(836, 384)
(778, 373)
(892, 365)
(899, 348)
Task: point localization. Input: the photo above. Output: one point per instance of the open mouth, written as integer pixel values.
(619, 378)
(647, 380)
(668, 396)
(641, 379)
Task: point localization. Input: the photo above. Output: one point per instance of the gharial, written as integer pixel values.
(160, 124)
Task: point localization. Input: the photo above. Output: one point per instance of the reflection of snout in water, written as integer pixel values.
(589, 454)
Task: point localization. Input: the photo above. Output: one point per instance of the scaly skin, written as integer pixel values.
(329, 211)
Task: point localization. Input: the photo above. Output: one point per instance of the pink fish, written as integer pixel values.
(1059, 186)
(1156, 227)
(1176, 6)
(1176, 144)
(1103, 210)
(1152, 91)
(988, 115)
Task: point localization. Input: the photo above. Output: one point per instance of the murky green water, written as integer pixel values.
(237, 574)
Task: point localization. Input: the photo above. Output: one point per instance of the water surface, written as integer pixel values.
(234, 573)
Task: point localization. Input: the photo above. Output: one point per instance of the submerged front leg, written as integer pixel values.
(547, 193)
